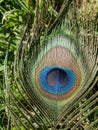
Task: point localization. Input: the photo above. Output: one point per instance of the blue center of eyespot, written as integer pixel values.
(57, 80)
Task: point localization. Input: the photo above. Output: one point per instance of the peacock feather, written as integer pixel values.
(55, 72)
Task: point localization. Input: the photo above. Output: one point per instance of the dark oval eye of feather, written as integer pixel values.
(57, 80)
(56, 76)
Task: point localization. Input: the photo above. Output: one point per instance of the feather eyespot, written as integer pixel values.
(58, 75)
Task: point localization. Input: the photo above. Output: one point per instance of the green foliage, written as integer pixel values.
(13, 15)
